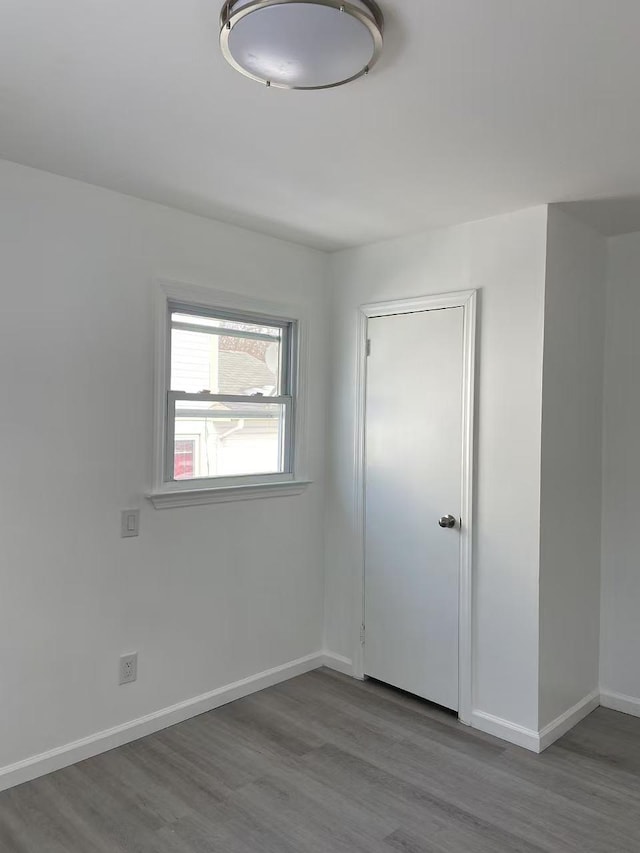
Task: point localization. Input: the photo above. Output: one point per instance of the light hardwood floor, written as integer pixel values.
(325, 764)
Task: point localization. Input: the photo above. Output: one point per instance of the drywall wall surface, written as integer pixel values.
(620, 615)
(206, 595)
(504, 258)
(571, 470)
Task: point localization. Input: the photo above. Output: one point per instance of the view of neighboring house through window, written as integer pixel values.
(229, 402)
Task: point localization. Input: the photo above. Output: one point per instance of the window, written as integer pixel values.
(228, 389)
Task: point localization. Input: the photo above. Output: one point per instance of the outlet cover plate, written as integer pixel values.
(128, 668)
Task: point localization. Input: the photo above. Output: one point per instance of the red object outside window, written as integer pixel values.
(183, 459)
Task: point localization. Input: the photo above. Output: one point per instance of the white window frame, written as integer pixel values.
(166, 492)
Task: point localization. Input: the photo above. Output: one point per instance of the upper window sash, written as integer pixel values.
(287, 338)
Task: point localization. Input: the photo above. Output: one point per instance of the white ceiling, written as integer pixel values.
(476, 108)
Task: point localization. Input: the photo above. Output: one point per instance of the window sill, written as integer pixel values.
(226, 494)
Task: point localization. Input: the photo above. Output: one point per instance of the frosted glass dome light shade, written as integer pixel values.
(301, 44)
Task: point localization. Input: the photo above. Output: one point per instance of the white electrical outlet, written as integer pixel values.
(128, 668)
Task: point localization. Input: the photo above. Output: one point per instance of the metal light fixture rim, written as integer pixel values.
(374, 22)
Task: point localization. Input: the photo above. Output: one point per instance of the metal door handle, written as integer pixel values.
(447, 521)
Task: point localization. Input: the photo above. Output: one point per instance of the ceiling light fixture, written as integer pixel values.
(301, 44)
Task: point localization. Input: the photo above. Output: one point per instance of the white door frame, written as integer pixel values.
(465, 299)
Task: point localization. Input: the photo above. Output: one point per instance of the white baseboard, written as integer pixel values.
(565, 722)
(531, 739)
(506, 730)
(620, 702)
(63, 756)
(70, 753)
(338, 662)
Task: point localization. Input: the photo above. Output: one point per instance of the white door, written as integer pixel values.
(413, 474)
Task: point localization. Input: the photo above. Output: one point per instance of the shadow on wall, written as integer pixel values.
(609, 216)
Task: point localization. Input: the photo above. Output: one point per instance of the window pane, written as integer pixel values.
(229, 439)
(226, 357)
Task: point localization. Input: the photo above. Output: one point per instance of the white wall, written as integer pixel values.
(197, 595)
(571, 469)
(620, 629)
(504, 258)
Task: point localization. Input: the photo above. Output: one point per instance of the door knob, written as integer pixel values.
(447, 521)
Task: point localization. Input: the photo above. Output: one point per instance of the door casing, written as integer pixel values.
(466, 300)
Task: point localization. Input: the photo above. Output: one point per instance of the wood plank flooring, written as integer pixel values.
(326, 764)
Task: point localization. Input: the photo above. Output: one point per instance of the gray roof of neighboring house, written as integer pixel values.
(241, 371)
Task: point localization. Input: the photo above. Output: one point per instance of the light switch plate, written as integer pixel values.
(129, 523)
